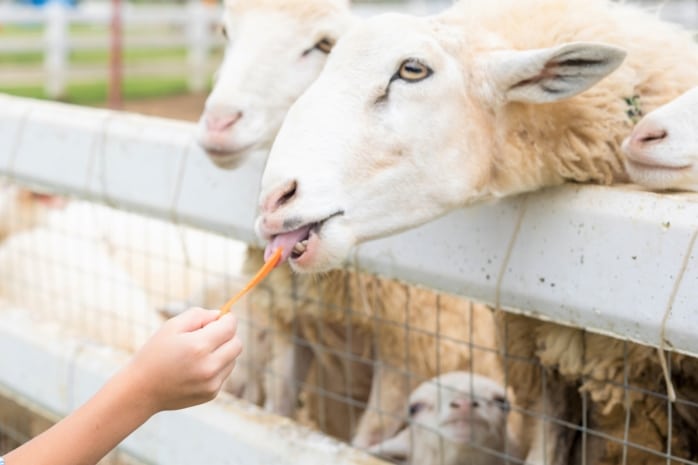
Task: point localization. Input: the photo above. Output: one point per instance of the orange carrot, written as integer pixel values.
(261, 274)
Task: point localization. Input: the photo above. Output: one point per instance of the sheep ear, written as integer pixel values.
(398, 447)
(551, 74)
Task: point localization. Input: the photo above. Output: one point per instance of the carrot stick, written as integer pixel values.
(261, 274)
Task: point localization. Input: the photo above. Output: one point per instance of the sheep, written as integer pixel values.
(61, 278)
(169, 262)
(249, 100)
(523, 103)
(662, 149)
(458, 418)
(244, 112)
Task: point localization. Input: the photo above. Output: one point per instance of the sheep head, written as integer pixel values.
(455, 418)
(274, 51)
(662, 151)
(401, 127)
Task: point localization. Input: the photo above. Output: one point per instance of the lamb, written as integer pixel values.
(523, 103)
(458, 418)
(661, 151)
(79, 285)
(244, 112)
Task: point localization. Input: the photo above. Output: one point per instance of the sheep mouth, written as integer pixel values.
(219, 152)
(657, 166)
(298, 242)
(464, 422)
(459, 421)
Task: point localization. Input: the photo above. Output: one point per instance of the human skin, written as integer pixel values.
(183, 364)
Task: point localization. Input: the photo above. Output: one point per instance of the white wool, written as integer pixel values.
(61, 278)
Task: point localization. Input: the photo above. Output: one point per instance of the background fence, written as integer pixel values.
(178, 46)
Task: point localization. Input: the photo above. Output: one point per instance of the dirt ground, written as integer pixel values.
(187, 107)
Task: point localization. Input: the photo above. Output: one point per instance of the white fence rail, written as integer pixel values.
(606, 259)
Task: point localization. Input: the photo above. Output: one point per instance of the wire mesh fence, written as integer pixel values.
(408, 373)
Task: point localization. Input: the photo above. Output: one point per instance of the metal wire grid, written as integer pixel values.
(323, 399)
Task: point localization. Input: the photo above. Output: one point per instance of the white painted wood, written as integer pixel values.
(199, 44)
(56, 43)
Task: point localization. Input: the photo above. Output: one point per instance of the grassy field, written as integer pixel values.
(84, 57)
(95, 93)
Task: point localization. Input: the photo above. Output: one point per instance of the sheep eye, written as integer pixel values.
(412, 70)
(416, 408)
(224, 31)
(502, 402)
(324, 45)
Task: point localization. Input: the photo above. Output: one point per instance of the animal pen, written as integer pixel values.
(612, 261)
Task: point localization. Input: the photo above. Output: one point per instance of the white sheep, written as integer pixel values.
(662, 150)
(458, 418)
(524, 101)
(62, 278)
(277, 49)
(151, 261)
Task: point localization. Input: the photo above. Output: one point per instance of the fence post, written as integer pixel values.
(56, 49)
(198, 45)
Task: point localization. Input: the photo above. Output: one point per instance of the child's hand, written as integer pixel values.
(186, 361)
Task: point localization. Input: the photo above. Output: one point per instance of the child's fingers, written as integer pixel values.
(193, 319)
(226, 355)
(219, 332)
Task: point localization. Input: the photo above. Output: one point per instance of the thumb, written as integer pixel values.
(194, 319)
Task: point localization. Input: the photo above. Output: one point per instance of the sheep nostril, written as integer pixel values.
(459, 404)
(220, 123)
(280, 196)
(653, 136)
(288, 194)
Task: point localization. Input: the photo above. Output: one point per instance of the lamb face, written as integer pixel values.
(662, 151)
(455, 418)
(274, 51)
(400, 128)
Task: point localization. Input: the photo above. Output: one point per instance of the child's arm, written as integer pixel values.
(183, 364)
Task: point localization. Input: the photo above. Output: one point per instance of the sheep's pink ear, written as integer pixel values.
(551, 74)
(398, 447)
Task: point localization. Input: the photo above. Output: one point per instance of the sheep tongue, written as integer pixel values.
(286, 241)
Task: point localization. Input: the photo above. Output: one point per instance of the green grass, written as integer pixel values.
(96, 93)
(131, 56)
